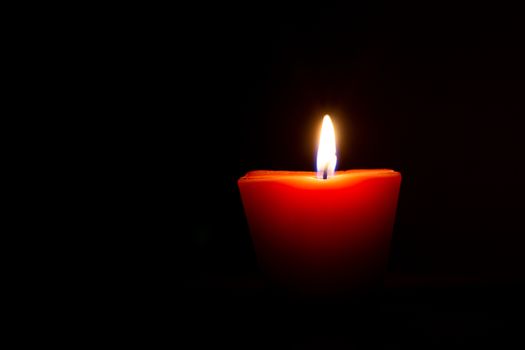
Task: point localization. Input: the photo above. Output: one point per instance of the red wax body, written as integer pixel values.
(321, 235)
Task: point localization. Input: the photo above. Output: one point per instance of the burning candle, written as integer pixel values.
(324, 231)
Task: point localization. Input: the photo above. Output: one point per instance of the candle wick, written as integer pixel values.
(325, 173)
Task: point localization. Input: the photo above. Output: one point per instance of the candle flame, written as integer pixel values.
(326, 158)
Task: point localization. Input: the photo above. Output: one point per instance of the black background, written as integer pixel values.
(433, 91)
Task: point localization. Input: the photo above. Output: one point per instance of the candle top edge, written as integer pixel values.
(271, 174)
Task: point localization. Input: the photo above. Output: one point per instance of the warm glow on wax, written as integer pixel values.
(326, 158)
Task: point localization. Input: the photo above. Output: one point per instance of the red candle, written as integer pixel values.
(322, 232)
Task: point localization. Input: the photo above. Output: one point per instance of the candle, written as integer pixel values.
(323, 231)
